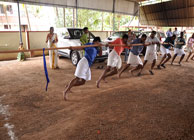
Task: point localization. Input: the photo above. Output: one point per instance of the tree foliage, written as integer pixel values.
(92, 19)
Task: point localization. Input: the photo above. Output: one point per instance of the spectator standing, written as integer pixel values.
(84, 38)
(52, 40)
(176, 32)
(169, 33)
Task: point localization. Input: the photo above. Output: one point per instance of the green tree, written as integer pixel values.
(92, 19)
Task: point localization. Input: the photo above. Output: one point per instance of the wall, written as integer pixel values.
(9, 40)
(36, 41)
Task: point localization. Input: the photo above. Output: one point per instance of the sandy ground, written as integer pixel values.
(159, 107)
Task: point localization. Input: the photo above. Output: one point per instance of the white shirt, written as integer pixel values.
(152, 48)
(176, 33)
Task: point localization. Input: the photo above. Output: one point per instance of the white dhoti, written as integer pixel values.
(114, 60)
(53, 59)
(150, 56)
(179, 52)
(164, 50)
(134, 60)
(189, 49)
(83, 70)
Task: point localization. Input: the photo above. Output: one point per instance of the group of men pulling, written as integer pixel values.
(114, 63)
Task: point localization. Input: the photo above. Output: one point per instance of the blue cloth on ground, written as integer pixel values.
(45, 70)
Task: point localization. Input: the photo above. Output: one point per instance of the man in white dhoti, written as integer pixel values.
(134, 59)
(151, 52)
(52, 40)
(179, 50)
(83, 72)
(114, 60)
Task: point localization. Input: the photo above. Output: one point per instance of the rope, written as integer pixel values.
(82, 47)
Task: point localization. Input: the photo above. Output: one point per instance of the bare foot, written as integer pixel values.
(163, 66)
(98, 84)
(132, 73)
(139, 74)
(158, 67)
(119, 75)
(151, 72)
(65, 94)
(57, 67)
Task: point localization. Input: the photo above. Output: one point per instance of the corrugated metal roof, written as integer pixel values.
(173, 13)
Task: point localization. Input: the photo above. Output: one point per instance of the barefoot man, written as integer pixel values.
(114, 60)
(82, 72)
(165, 49)
(179, 50)
(151, 52)
(134, 59)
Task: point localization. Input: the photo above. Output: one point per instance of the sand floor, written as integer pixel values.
(159, 107)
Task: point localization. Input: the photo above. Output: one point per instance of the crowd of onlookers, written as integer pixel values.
(169, 33)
